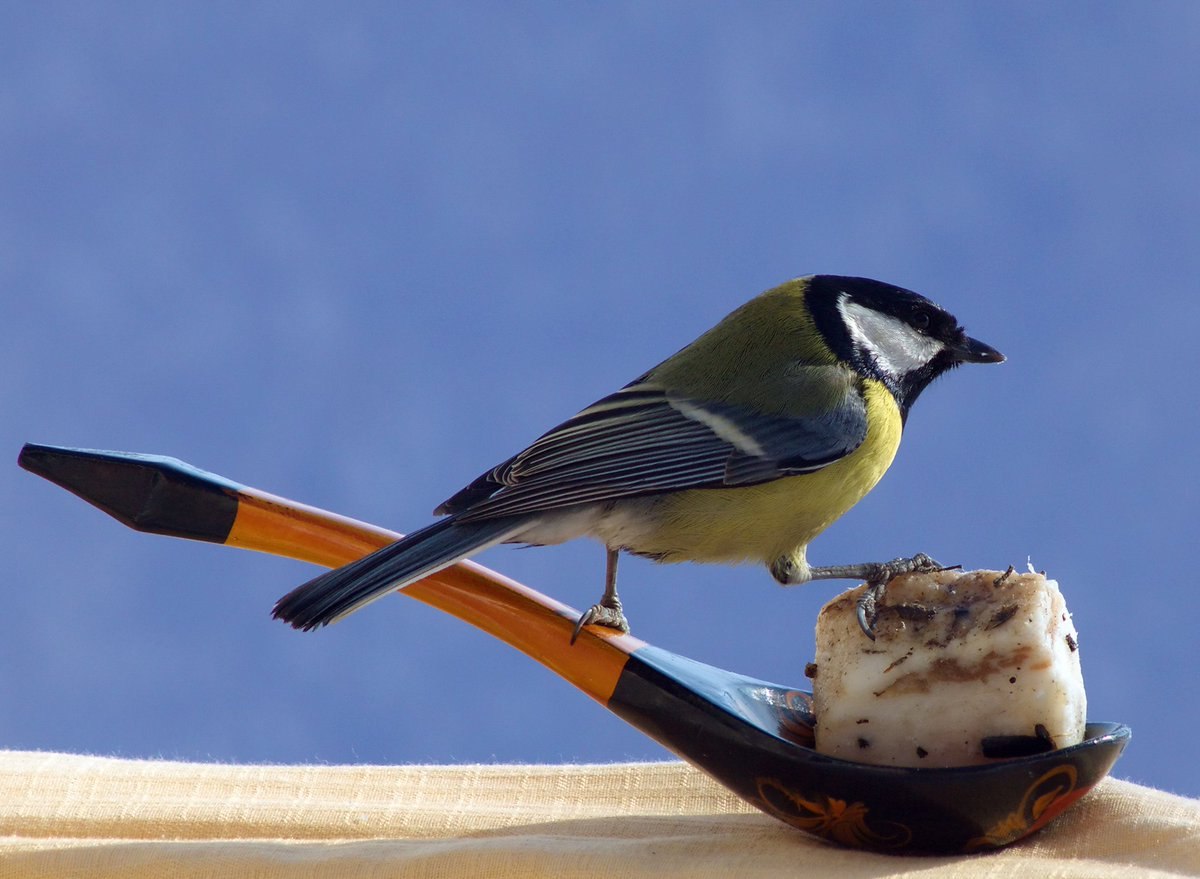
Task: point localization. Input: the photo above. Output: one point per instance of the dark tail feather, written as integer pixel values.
(331, 596)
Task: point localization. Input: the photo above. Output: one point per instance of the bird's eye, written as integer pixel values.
(921, 319)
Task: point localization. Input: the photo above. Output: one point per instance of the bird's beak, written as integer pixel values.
(969, 350)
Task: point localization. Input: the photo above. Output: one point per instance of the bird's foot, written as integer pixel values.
(867, 607)
(885, 572)
(878, 575)
(607, 613)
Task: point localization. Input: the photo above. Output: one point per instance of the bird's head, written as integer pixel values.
(891, 334)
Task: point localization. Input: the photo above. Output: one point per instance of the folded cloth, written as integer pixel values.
(68, 815)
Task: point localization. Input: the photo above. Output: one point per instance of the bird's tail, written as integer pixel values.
(329, 597)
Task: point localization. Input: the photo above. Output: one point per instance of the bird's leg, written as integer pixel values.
(877, 575)
(608, 612)
(876, 572)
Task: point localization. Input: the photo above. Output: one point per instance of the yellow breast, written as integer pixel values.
(762, 522)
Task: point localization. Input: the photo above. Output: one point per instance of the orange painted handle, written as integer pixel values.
(531, 622)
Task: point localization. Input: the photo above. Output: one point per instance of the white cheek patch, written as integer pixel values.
(897, 347)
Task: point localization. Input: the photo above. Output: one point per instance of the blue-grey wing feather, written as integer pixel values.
(642, 440)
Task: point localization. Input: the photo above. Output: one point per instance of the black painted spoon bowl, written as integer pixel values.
(754, 737)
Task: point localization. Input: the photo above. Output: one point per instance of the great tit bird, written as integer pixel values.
(743, 446)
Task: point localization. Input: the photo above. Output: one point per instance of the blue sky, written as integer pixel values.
(356, 254)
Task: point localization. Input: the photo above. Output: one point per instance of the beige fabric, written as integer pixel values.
(64, 815)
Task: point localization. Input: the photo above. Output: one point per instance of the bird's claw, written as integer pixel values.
(867, 606)
(604, 614)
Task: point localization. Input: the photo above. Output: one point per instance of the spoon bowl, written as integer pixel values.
(754, 737)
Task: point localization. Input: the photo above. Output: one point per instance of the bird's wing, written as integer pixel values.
(644, 440)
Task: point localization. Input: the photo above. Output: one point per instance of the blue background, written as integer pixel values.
(356, 254)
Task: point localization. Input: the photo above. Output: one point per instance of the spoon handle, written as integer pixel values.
(163, 495)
